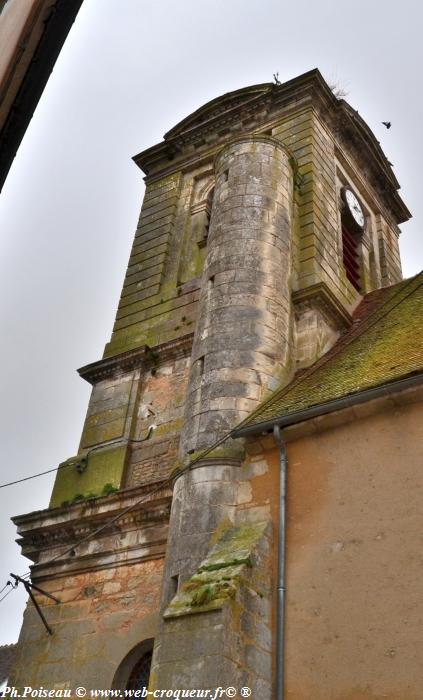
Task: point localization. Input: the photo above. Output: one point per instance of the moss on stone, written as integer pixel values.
(384, 345)
(220, 575)
(104, 469)
(105, 491)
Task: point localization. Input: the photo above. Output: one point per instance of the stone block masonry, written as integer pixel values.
(161, 403)
(217, 630)
(243, 328)
(102, 615)
(235, 276)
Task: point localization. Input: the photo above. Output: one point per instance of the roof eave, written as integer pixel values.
(329, 407)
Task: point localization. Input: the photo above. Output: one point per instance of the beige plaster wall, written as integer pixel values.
(354, 562)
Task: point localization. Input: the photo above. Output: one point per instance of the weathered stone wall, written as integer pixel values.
(242, 340)
(204, 500)
(160, 291)
(101, 617)
(317, 253)
(161, 403)
(131, 433)
(222, 642)
(266, 164)
(147, 261)
(315, 334)
(390, 262)
(317, 240)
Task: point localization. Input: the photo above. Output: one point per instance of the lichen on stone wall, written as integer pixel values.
(104, 467)
(219, 575)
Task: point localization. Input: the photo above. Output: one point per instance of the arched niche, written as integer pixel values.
(201, 207)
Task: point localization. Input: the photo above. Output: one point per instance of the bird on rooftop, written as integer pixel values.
(276, 79)
(387, 124)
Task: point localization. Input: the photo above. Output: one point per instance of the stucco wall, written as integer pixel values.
(354, 564)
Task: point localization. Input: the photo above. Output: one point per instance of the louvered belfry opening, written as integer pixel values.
(351, 256)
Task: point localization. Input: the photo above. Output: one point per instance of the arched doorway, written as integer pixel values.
(133, 672)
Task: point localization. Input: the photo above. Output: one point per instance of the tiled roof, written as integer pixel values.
(7, 656)
(384, 344)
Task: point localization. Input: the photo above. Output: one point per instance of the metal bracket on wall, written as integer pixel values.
(28, 587)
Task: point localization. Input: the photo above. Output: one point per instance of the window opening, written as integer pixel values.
(200, 365)
(174, 585)
(140, 674)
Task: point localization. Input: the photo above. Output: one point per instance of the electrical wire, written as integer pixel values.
(8, 593)
(300, 379)
(34, 476)
(163, 484)
(225, 437)
(67, 464)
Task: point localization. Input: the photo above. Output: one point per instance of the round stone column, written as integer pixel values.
(241, 344)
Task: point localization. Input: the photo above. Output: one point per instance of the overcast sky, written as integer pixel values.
(129, 71)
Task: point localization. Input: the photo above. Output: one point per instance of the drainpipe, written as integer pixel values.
(280, 583)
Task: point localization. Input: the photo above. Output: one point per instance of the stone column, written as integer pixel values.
(241, 344)
(240, 352)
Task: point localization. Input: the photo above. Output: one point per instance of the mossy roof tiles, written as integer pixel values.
(384, 344)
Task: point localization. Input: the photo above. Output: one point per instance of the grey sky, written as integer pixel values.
(128, 72)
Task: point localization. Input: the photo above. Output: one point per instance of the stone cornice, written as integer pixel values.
(251, 110)
(213, 111)
(354, 133)
(140, 533)
(143, 357)
(318, 295)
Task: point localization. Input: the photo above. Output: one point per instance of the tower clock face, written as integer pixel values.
(354, 207)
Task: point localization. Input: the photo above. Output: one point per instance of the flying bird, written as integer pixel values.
(387, 124)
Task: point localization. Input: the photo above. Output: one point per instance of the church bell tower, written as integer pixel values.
(268, 214)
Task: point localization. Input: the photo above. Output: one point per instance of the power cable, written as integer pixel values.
(141, 500)
(228, 434)
(70, 464)
(13, 588)
(290, 386)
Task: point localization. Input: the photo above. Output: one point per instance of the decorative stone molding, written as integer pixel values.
(320, 297)
(50, 537)
(254, 109)
(143, 357)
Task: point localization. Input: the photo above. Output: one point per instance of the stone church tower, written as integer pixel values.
(269, 214)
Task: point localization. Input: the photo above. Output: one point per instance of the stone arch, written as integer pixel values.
(128, 663)
(205, 193)
(201, 208)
